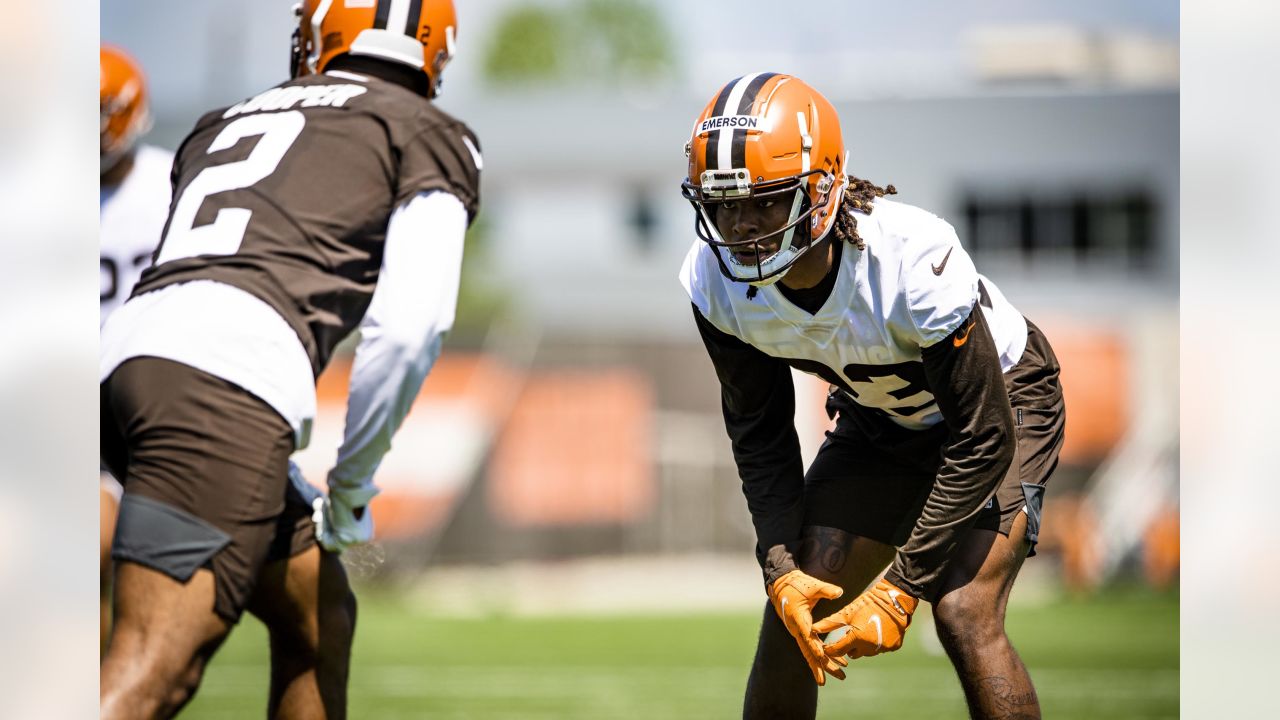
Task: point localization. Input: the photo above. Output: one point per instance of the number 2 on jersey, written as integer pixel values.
(223, 236)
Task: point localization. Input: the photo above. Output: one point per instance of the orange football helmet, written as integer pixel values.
(123, 109)
(420, 33)
(766, 135)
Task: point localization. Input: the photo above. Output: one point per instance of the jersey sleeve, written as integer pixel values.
(691, 278)
(179, 155)
(445, 156)
(939, 279)
(758, 402)
(963, 369)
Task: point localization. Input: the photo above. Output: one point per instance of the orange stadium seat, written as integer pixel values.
(578, 450)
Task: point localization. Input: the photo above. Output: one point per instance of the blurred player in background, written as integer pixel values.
(336, 200)
(133, 207)
(949, 412)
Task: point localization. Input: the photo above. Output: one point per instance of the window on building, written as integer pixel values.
(1080, 228)
(643, 219)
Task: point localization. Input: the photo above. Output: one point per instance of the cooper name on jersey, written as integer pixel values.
(285, 98)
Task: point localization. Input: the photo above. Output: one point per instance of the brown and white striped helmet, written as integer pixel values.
(767, 135)
(418, 33)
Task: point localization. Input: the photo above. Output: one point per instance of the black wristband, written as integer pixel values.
(778, 561)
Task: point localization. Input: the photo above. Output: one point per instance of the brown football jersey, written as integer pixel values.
(287, 196)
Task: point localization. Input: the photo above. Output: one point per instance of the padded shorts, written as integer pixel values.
(205, 473)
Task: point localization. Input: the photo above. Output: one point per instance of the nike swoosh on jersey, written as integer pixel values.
(937, 269)
(964, 337)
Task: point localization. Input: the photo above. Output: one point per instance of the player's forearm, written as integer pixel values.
(385, 380)
(951, 509)
(402, 331)
(772, 474)
(969, 387)
(758, 404)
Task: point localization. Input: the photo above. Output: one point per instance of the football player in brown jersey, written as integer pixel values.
(335, 201)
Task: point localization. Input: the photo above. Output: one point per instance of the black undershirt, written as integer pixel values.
(812, 299)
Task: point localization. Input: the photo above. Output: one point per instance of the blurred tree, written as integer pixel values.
(628, 37)
(527, 45)
(606, 41)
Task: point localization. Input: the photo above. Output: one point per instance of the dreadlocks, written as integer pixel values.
(857, 196)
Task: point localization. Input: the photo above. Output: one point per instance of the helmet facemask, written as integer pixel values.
(721, 186)
(298, 65)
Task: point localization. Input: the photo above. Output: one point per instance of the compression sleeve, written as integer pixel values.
(963, 370)
(758, 402)
(411, 310)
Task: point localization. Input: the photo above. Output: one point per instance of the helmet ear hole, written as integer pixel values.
(804, 229)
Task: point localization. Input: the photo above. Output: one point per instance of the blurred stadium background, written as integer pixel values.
(566, 466)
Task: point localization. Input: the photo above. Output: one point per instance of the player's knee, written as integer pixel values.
(967, 622)
(183, 687)
(153, 684)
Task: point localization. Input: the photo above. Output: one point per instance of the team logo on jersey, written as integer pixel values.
(732, 122)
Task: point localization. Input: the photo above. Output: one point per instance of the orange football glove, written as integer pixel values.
(793, 596)
(874, 622)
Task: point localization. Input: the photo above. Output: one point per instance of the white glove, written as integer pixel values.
(343, 518)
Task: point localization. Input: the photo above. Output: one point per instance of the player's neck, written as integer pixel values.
(406, 77)
(118, 172)
(811, 268)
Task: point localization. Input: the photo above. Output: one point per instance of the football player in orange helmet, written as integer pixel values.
(124, 110)
(791, 159)
(949, 414)
(134, 203)
(289, 209)
(413, 33)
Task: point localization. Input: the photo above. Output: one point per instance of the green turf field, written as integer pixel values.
(1113, 656)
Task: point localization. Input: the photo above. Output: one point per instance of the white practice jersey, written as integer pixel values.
(912, 286)
(131, 220)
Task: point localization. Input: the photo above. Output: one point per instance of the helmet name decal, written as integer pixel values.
(284, 98)
(744, 122)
